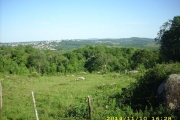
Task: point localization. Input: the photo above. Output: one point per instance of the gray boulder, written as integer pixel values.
(168, 93)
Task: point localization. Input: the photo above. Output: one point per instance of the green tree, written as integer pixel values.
(38, 60)
(2, 63)
(19, 55)
(169, 39)
(147, 58)
(29, 49)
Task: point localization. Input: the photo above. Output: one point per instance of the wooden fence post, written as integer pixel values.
(34, 102)
(90, 109)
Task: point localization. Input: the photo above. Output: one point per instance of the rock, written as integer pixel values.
(113, 83)
(116, 75)
(168, 93)
(98, 72)
(80, 78)
(82, 72)
(133, 71)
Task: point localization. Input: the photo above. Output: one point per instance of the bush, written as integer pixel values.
(146, 86)
(34, 74)
(78, 111)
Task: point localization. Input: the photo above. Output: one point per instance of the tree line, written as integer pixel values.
(26, 59)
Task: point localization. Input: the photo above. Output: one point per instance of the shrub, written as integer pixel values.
(144, 91)
(77, 110)
(34, 74)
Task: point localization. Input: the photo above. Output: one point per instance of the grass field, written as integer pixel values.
(152, 46)
(60, 97)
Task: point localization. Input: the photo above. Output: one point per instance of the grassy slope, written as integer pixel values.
(57, 95)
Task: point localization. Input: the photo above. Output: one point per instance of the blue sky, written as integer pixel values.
(36, 20)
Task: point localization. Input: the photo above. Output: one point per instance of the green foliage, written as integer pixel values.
(101, 58)
(169, 39)
(61, 97)
(77, 110)
(34, 74)
(26, 59)
(144, 57)
(144, 91)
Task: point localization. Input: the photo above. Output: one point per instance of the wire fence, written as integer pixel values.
(80, 97)
(87, 99)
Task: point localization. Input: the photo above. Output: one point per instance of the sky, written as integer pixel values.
(37, 20)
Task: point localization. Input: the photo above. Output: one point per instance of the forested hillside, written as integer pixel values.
(72, 44)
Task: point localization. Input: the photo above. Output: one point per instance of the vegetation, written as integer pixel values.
(26, 60)
(148, 83)
(72, 44)
(60, 97)
(121, 81)
(134, 42)
(169, 39)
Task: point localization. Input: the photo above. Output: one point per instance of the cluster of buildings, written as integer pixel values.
(51, 45)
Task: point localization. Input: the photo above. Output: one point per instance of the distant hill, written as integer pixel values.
(72, 44)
